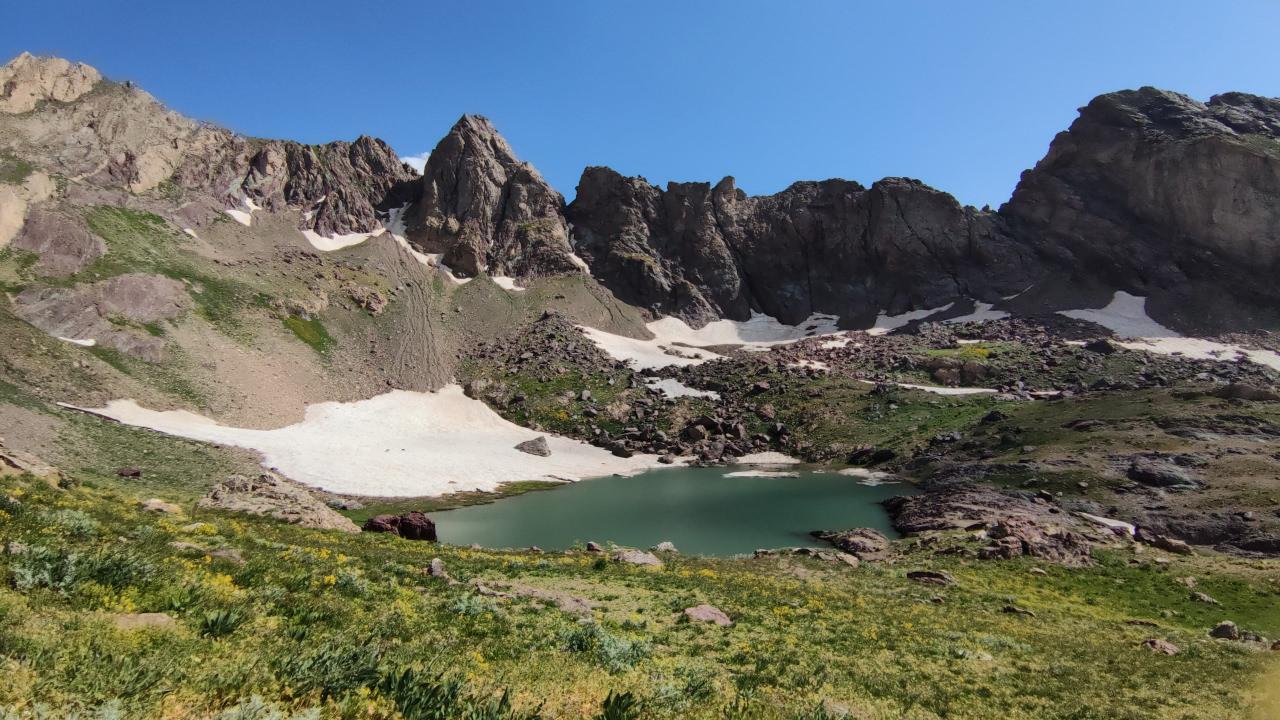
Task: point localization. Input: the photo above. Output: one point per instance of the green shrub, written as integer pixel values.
(43, 567)
(611, 652)
(220, 623)
(619, 706)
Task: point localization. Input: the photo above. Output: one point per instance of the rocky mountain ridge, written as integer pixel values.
(1150, 192)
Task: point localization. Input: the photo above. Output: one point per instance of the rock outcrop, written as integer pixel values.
(101, 312)
(26, 81)
(340, 187)
(486, 211)
(703, 252)
(271, 495)
(1160, 195)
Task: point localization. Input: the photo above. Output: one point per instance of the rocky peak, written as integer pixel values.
(1163, 196)
(487, 211)
(340, 186)
(28, 80)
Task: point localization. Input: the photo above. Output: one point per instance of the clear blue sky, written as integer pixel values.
(963, 95)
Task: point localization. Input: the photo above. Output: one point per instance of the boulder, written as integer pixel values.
(273, 496)
(1225, 630)
(862, 542)
(708, 613)
(637, 557)
(1245, 391)
(157, 505)
(1162, 473)
(1161, 647)
(665, 547)
(930, 577)
(537, 446)
(413, 525)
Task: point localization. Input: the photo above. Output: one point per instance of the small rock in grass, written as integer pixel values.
(594, 547)
(1203, 598)
(129, 472)
(138, 621)
(229, 554)
(637, 557)
(1225, 630)
(665, 546)
(931, 577)
(160, 506)
(708, 613)
(436, 569)
(1162, 647)
(1015, 610)
(1037, 571)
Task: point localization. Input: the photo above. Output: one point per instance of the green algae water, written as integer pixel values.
(705, 511)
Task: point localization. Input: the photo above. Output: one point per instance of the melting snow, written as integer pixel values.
(671, 335)
(938, 390)
(675, 388)
(767, 458)
(1126, 316)
(1198, 349)
(338, 242)
(763, 473)
(90, 342)
(505, 283)
(245, 216)
(887, 323)
(869, 477)
(398, 444)
(982, 312)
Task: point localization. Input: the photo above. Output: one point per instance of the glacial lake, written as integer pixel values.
(704, 511)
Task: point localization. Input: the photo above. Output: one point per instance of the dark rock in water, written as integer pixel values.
(1161, 473)
(862, 542)
(537, 446)
(486, 210)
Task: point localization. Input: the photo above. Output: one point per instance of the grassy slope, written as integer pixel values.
(315, 619)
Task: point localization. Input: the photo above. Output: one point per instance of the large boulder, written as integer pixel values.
(865, 543)
(413, 525)
(271, 495)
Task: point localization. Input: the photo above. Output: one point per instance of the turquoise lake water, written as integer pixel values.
(702, 510)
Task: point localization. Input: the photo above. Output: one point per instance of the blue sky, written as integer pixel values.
(961, 95)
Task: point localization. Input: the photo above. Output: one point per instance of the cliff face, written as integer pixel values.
(1158, 194)
(835, 247)
(485, 210)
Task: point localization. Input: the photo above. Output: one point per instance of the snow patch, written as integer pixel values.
(982, 312)
(888, 323)
(191, 232)
(338, 242)
(1198, 349)
(582, 264)
(244, 216)
(672, 335)
(869, 477)
(674, 388)
(769, 457)
(86, 342)
(506, 283)
(400, 444)
(1126, 316)
(762, 474)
